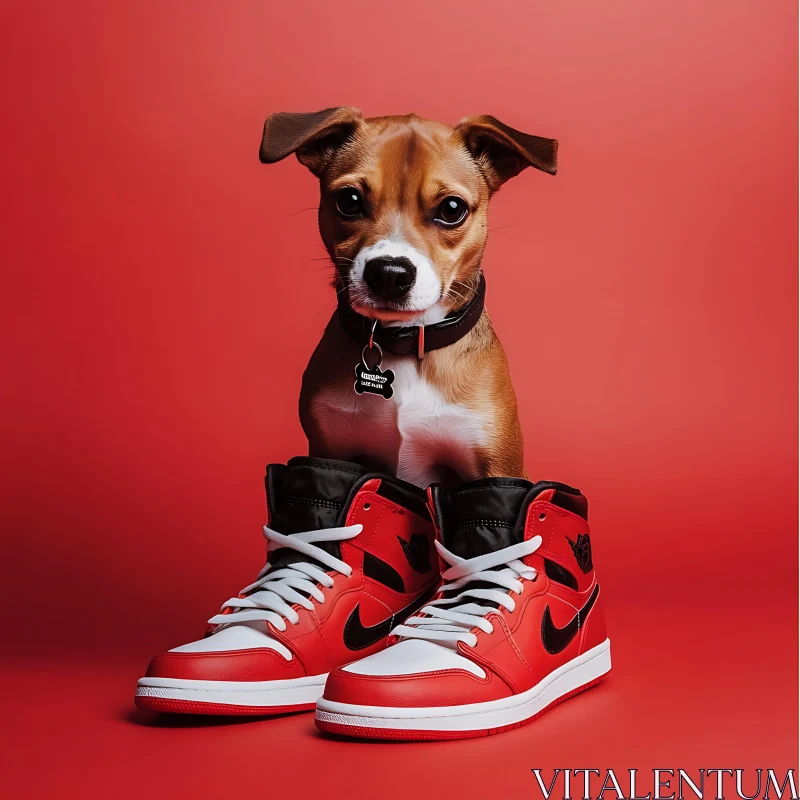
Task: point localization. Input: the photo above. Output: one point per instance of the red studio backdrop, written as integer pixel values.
(162, 291)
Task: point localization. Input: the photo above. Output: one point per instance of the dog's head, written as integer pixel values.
(404, 201)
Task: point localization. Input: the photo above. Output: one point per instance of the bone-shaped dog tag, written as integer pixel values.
(373, 380)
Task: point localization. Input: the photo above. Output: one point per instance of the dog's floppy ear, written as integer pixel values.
(502, 152)
(313, 137)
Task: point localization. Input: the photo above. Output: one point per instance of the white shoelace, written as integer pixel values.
(274, 593)
(448, 626)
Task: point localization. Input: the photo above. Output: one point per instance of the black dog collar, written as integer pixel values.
(416, 339)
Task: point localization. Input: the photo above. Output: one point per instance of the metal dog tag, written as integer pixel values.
(373, 380)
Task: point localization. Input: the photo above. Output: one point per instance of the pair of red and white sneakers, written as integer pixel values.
(513, 625)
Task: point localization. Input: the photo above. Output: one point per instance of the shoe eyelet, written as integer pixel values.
(366, 506)
(542, 517)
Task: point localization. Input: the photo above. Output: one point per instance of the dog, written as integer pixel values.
(403, 216)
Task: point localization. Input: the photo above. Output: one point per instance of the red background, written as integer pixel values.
(160, 298)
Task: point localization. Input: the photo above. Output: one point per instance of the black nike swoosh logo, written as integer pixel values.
(357, 637)
(556, 639)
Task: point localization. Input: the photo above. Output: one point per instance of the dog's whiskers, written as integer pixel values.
(311, 208)
(457, 294)
(356, 299)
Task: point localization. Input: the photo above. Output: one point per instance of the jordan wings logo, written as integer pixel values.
(556, 639)
(357, 636)
(418, 552)
(583, 551)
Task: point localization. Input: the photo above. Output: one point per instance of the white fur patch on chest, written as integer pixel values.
(417, 428)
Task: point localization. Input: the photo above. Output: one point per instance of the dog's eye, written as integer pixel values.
(452, 211)
(349, 202)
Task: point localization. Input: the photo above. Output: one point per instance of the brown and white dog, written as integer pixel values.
(403, 215)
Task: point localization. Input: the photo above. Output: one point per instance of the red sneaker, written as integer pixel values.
(350, 555)
(517, 627)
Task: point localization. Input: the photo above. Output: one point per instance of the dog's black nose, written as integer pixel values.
(389, 277)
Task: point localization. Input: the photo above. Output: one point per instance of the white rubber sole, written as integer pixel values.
(471, 719)
(229, 697)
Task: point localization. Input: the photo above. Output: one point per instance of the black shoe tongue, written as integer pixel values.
(484, 516)
(308, 494)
